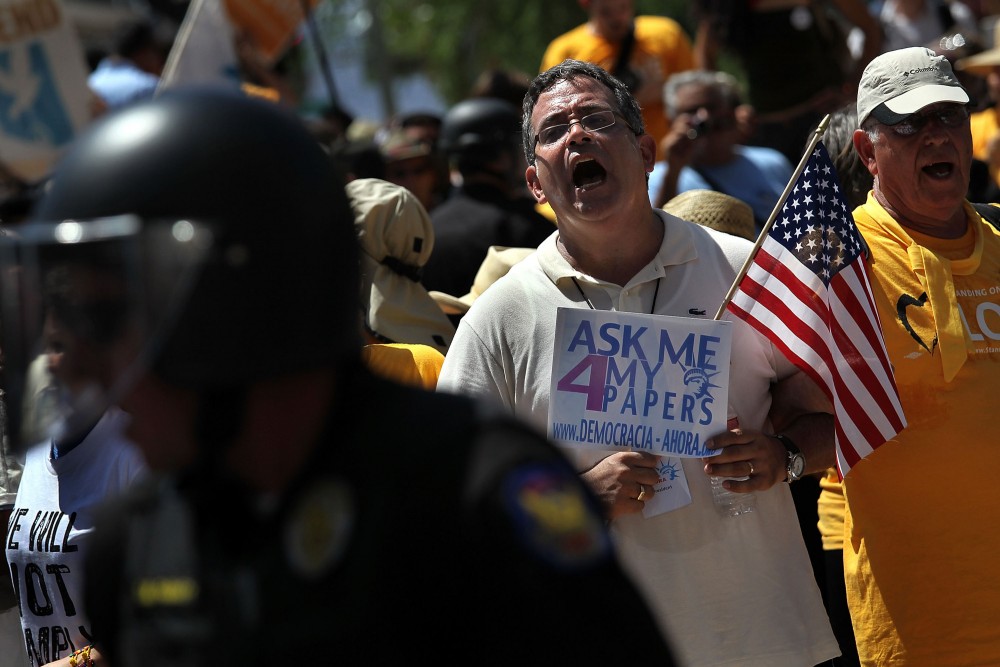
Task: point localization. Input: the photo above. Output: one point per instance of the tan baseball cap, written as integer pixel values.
(899, 83)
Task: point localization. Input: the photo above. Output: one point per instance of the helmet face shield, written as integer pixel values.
(84, 309)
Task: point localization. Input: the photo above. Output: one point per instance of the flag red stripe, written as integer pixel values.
(869, 386)
(862, 363)
(845, 294)
(817, 344)
(834, 381)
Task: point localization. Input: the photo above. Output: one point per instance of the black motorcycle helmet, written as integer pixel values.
(479, 127)
(241, 254)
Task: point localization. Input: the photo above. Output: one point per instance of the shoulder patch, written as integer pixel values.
(553, 516)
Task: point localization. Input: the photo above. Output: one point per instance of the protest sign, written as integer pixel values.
(630, 381)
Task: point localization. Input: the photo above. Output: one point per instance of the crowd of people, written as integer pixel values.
(266, 378)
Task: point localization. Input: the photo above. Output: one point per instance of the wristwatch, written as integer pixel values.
(795, 467)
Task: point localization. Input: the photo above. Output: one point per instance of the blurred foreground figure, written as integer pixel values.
(293, 519)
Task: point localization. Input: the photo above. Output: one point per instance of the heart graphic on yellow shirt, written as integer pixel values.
(905, 301)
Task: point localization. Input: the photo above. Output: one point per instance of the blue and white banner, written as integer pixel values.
(44, 99)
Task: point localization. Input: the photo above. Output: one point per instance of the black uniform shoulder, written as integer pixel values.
(989, 212)
(515, 486)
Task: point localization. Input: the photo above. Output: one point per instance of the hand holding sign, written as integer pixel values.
(617, 478)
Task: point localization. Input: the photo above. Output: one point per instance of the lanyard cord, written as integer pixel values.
(652, 308)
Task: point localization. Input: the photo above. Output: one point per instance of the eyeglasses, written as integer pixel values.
(601, 120)
(950, 116)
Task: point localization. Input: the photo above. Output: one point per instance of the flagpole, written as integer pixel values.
(321, 56)
(180, 41)
(813, 140)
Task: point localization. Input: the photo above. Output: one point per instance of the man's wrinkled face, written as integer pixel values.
(921, 166)
(582, 172)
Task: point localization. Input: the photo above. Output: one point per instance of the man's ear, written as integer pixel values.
(647, 145)
(866, 150)
(531, 177)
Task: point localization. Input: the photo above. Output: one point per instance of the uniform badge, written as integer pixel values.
(319, 528)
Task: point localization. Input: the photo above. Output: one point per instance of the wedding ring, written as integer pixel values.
(642, 493)
(751, 467)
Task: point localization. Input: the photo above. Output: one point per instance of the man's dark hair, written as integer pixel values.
(567, 70)
(134, 36)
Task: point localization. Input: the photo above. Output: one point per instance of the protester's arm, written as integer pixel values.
(676, 150)
(801, 412)
(90, 658)
(706, 45)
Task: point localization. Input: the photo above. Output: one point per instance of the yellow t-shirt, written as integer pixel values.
(412, 364)
(921, 548)
(661, 48)
(985, 125)
(830, 508)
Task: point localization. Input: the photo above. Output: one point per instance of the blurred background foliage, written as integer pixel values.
(453, 41)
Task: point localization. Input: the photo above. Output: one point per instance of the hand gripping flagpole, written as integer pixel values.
(813, 140)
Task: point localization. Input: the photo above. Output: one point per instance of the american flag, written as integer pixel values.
(807, 290)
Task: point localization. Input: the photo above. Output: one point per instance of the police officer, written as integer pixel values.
(490, 204)
(304, 511)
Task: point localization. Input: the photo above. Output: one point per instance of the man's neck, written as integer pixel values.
(613, 254)
(952, 228)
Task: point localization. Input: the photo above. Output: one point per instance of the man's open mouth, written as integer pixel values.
(588, 173)
(939, 169)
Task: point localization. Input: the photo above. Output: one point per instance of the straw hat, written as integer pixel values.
(498, 261)
(716, 210)
(983, 62)
(398, 146)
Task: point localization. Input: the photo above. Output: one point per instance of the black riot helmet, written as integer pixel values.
(479, 128)
(226, 234)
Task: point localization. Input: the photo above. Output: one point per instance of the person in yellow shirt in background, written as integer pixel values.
(642, 51)
(985, 124)
(919, 560)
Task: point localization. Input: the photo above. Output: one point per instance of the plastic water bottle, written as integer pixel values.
(729, 503)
